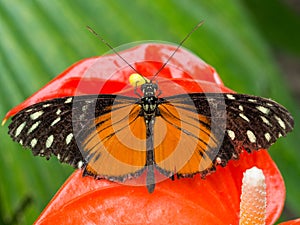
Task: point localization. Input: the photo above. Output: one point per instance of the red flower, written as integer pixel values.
(215, 200)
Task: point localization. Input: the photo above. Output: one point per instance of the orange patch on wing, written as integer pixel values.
(117, 145)
(186, 141)
(183, 141)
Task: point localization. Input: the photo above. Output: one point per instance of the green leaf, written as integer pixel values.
(39, 39)
(277, 22)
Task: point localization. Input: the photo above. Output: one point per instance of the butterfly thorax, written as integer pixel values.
(149, 105)
(149, 101)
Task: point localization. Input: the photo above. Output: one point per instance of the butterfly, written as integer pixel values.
(117, 137)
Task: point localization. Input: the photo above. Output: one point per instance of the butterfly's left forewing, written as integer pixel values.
(254, 122)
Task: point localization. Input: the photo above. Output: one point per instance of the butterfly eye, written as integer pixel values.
(155, 86)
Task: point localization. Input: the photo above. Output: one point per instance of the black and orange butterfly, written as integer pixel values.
(118, 137)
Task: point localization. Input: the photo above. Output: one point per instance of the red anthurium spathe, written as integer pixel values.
(214, 200)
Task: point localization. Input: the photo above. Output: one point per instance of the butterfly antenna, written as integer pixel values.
(110, 47)
(178, 47)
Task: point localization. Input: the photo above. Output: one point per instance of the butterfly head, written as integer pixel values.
(149, 89)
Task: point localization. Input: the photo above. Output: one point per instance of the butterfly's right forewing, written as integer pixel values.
(46, 128)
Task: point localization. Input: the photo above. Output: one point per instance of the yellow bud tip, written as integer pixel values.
(3, 121)
(254, 198)
(136, 79)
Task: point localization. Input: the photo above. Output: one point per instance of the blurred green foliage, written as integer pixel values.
(39, 39)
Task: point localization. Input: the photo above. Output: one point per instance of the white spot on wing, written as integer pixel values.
(218, 160)
(33, 127)
(42, 153)
(251, 136)
(244, 117)
(229, 96)
(36, 115)
(69, 138)
(251, 100)
(263, 109)
(58, 112)
(55, 121)
(235, 156)
(46, 105)
(58, 156)
(80, 164)
(280, 122)
(267, 136)
(68, 100)
(49, 141)
(265, 120)
(84, 108)
(20, 128)
(33, 142)
(241, 107)
(231, 134)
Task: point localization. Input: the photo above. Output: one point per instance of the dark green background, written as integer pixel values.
(39, 39)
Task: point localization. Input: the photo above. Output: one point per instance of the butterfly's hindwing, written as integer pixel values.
(113, 143)
(193, 138)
